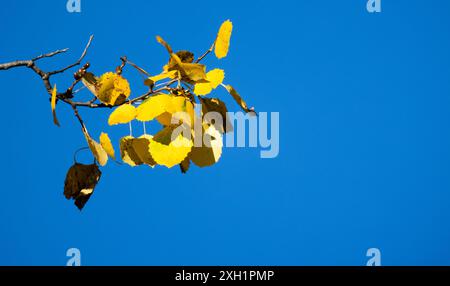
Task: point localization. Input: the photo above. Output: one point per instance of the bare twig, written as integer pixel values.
(77, 62)
(29, 63)
(141, 70)
(67, 96)
(206, 53)
(49, 55)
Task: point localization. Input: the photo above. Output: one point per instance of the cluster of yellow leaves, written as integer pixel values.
(186, 135)
(176, 143)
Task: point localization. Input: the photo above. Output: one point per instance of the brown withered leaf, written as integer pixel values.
(239, 100)
(185, 56)
(184, 166)
(80, 183)
(216, 105)
(90, 81)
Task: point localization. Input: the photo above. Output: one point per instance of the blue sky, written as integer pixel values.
(364, 159)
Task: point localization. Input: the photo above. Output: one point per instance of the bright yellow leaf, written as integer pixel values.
(153, 107)
(53, 105)
(203, 88)
(223, 39)
(163, 107)
(105, 142)
(151, 80)
(112, 89)
(168, 152)
(215, 77)
(122, 115)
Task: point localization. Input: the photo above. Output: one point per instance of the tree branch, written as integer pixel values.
(206, 53)
(77, 62)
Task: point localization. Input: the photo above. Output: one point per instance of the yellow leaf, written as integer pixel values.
(203, 88)
(168, 152)
(153, 107)
(194, 73)
(151, 80)
(163, 107)
(223, 39)
(112, 89)
(215, 77)
(239, 99)
(97, 150)
(53, 105)
(141, 147)
(80, 183)
(122, 115)
(210, 151)
(135, 151)
(164, 43)
(105, 142)
(127, 152)
(180, 108)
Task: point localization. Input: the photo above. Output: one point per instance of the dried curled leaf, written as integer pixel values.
(185, 56)
(238, 99)
(90, 81)
(106, 144)
(53, 105)
(184, 166)
(210, 151)
(80, 183)
(168, 152)
(97, 150)
(182, 62)
(223, 39)
(215, 77)
(122, 114)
